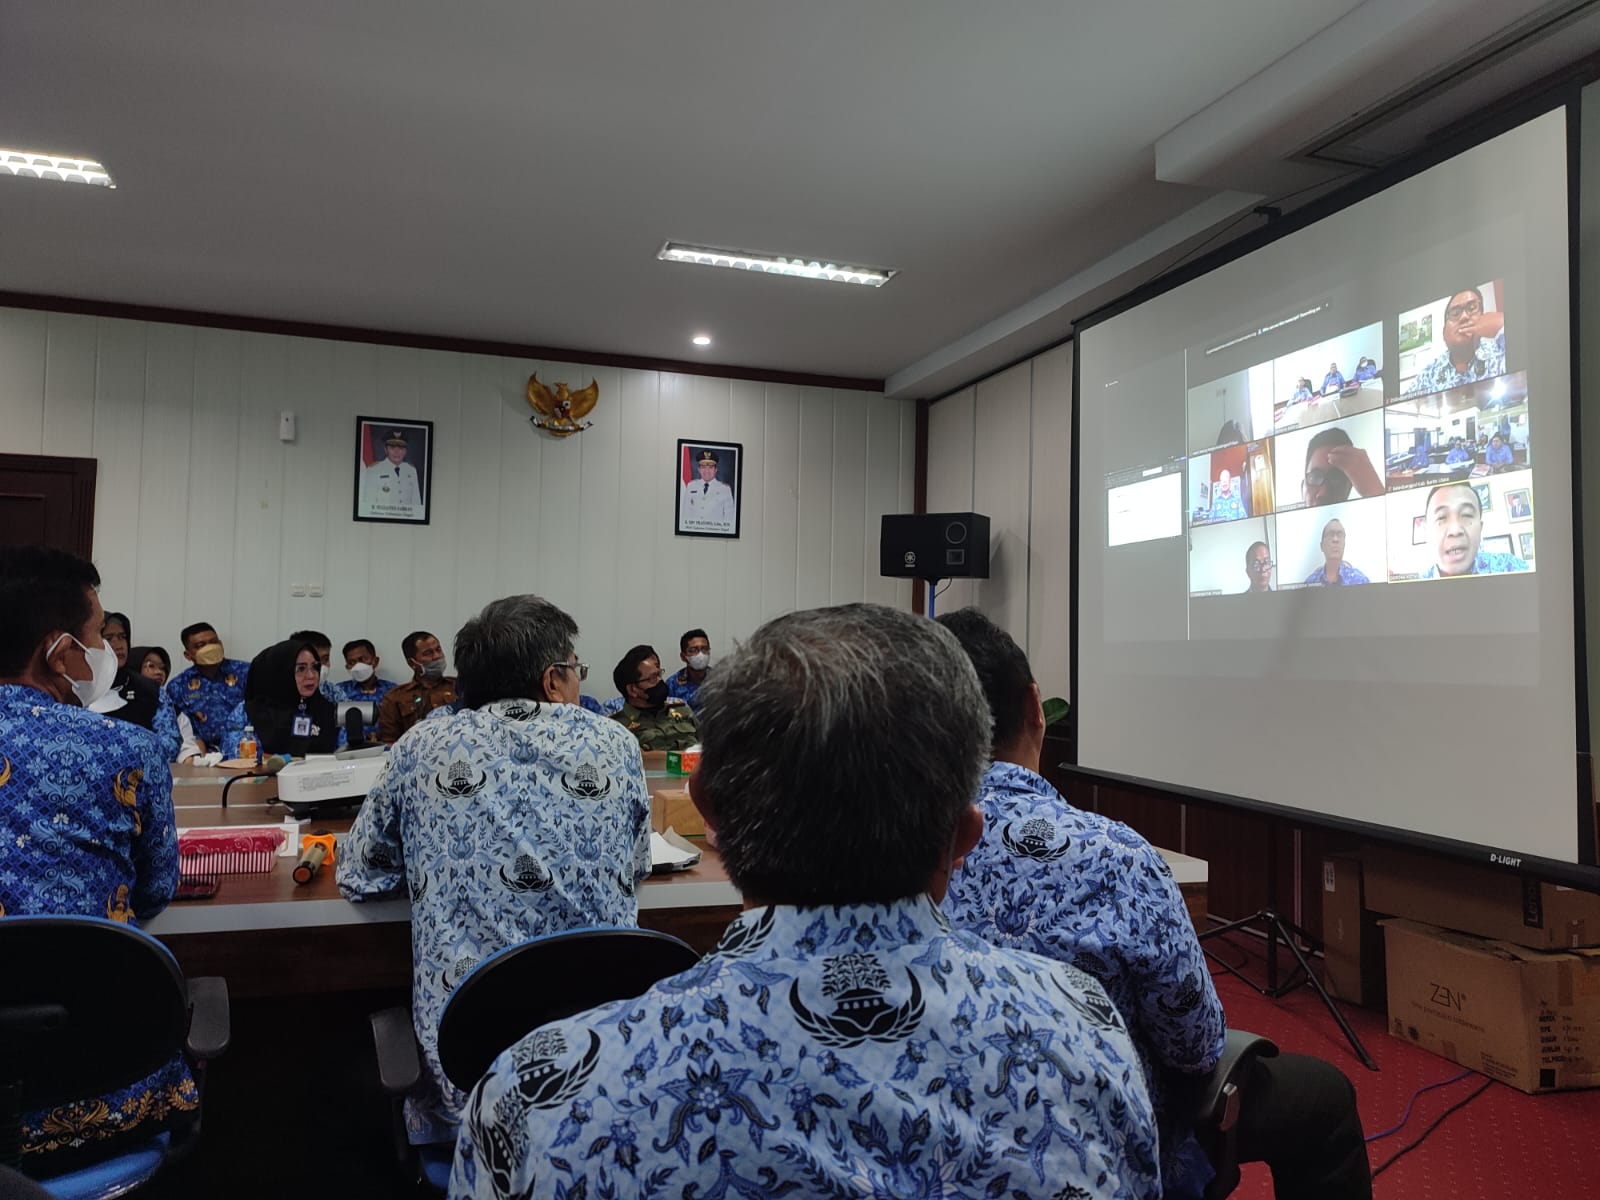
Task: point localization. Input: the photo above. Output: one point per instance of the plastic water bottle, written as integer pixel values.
(250, 745)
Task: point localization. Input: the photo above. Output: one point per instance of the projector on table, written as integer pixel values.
(326, 781)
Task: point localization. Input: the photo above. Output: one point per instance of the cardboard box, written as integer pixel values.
(671, 808)
(1352, 941)
(1480, 900)
(1530, 1018)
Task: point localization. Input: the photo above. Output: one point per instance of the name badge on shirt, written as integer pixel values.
(302, 727)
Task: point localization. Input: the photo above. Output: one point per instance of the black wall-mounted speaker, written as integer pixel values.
(934, 546)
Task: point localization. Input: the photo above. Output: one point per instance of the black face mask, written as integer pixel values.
(657, 696)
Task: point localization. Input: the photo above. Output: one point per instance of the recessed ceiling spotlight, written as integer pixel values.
(31, 165)
(701, 339)
(775, 264)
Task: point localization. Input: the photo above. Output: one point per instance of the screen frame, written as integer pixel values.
(1564, 95)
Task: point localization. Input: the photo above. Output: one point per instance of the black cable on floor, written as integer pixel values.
(1462, 1103)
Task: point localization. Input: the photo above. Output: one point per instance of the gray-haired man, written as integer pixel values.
(520, 815)
(841, 1039)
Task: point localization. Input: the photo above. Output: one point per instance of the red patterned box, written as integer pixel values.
(228, 851)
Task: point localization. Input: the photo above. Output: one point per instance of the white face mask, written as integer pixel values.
(323, 674)
(102, 662)
(361, 672)
(699, 662)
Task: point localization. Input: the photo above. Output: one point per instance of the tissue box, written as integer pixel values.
(242, 852)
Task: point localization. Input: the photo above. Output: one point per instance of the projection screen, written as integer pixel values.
(1325, 542)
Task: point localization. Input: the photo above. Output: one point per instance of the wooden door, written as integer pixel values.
(47, 501)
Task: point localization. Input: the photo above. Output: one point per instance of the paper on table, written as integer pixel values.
(666, 856)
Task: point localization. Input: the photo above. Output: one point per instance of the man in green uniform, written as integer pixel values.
(658, 723)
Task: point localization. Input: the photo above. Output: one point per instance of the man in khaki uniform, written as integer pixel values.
(658, 723)
(430, 688)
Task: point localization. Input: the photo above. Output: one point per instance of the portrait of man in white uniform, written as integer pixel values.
(708, 502)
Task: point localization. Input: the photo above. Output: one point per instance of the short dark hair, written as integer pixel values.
(821, 790)
(1002, 668)
(1328, 437)
(190, 630)
(313, 637)
(502, 652)
(627, 669)
(137, 655)
(41, 589)
(1439, 487)
(1478, 292)
(408, 644)
(683, 642)
(1251, 549)
(121, 619)
(359, 644)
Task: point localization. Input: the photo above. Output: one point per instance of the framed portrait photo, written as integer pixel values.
(1525, 545)
(1419, 531)
(707, 477)
(1519, 505)
(393, 470)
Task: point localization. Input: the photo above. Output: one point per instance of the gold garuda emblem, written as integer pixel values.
(560, 413)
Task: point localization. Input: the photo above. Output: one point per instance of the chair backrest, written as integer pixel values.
(512, 993)
(86, 1005)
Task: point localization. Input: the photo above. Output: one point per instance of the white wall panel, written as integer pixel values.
(203, 514)
(950, 450)
(1049, 537)
(69, 376)
(781, 498)
(163, 495)
(814, 493)
(1004, 449)
(849, 495)
(1000, 466)
(22, 370)
(119, 447)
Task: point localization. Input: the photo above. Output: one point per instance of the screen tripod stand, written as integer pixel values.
(1277, 929)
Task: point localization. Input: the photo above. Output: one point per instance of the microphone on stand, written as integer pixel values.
(355, 729)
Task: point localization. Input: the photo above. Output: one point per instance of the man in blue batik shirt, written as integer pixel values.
(841, 1040)
(1454, 525)
(1499, 456)
(364, 686)
(207, 692)
(1475, 346)
(694, 647)
(1457, 454)
(1333, 381)
(86, 824)
(1226, 504)
(516, 816)
(1081, 888)
(1334, 571)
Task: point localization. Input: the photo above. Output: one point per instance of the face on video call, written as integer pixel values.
(1455, 524)
(1224, 482)
(1325, 482)
(1258, 566)
(1463, 319)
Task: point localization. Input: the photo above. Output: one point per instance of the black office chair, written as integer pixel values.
(87, 1006)
(509, 995)
(1217, 1104)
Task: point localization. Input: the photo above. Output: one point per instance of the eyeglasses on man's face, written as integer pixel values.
(652, 678)
(582, 668)
(1463, 312)
(1262, 564)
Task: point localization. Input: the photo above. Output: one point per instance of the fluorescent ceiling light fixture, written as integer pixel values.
(31, 165)
(701, 339)
(775, 264)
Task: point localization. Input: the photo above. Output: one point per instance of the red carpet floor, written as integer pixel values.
(1500, 1144)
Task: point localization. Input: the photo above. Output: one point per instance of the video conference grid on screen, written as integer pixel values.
(1327, 467)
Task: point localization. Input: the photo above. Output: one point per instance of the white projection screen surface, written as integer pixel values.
(1350, 614)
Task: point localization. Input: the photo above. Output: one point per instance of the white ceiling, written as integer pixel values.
(508, 172)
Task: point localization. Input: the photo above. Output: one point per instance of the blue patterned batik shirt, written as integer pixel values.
(1488, 562)
(681, 687)
(504, 823)
(825, 1052)
(1226, 508)
(1348, 576)
(1083, 889)
(209, 702)
(1488, 360)
(86, 829)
